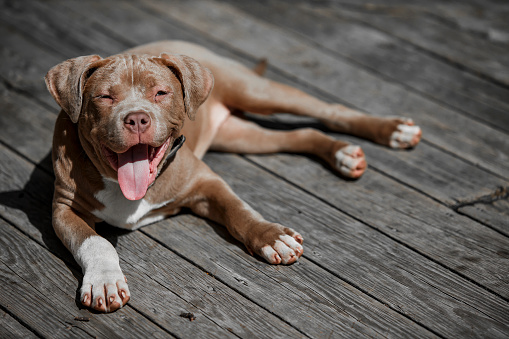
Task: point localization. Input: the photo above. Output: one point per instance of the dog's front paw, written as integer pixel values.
(276, 244)
(104, 286)
(104, 290)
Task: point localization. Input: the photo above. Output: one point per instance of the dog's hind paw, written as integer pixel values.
(350, 161)
(406, 135)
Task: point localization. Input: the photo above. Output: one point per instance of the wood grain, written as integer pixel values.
(36, 284)
(456, 46)
(11, 328)
(389, 57)
(495, 214)
(429, 228)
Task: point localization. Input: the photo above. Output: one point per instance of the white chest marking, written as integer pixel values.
(121, 212)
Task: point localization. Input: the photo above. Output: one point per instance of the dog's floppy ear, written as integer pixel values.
(196, 80)
(66, 82)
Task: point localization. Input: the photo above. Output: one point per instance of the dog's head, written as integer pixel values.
(129, 110)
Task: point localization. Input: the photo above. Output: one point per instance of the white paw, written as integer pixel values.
(104, 290)
(350, 161)
(104, 286)
(285, 251)
(406, 135)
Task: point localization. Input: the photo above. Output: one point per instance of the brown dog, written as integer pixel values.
(115, 143)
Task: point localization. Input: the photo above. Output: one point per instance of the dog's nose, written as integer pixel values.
(137, 122)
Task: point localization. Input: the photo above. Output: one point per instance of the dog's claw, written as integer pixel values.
(86, 300)
(104, 296)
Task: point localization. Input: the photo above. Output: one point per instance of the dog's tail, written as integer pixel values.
(261, 67)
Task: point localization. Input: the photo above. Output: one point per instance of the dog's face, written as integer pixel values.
(129, 110)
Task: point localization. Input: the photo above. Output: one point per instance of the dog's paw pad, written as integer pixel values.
(286, 250)
(105, 292)
(406, 135)
(350, 161)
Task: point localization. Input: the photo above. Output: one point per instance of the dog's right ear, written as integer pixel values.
(66, 82)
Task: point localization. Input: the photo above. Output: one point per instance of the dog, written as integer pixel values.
(119, 153)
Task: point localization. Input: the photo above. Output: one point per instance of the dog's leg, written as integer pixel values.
(213, 199)
(250, 92)
(104, 286)
(239, 136)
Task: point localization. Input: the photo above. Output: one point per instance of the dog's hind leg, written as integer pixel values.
(236, 135)
(250, 92)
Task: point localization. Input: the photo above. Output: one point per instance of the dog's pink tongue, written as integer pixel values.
(134, 172)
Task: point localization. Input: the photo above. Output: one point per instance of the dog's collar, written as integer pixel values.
(176, 146)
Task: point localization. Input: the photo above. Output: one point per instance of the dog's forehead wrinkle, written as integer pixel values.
(127, 71)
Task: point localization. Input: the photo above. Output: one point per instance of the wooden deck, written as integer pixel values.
(418, 247)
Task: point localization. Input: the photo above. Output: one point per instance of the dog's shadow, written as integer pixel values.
(35, 200)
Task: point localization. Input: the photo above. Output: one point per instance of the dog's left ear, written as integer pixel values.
(66, 81)
(196, 80)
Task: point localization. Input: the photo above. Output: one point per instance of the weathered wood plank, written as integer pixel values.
(53, 28)
(485, 19)
(18, 114)
(38, 288)
(495, 214)
(24, 64)
(459, 47)
(389, 57)
(11, 328)
(437, 174)
(421, 289)
(460, 179)
(189, 289)
(426, 226)
(306, 295)
(479, 144)
(294, 295)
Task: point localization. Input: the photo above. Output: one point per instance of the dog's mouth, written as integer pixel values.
(137, 167)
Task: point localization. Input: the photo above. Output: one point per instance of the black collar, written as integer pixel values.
(169, 158)
(176, 146)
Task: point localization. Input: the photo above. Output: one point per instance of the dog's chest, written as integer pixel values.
(121, 212)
